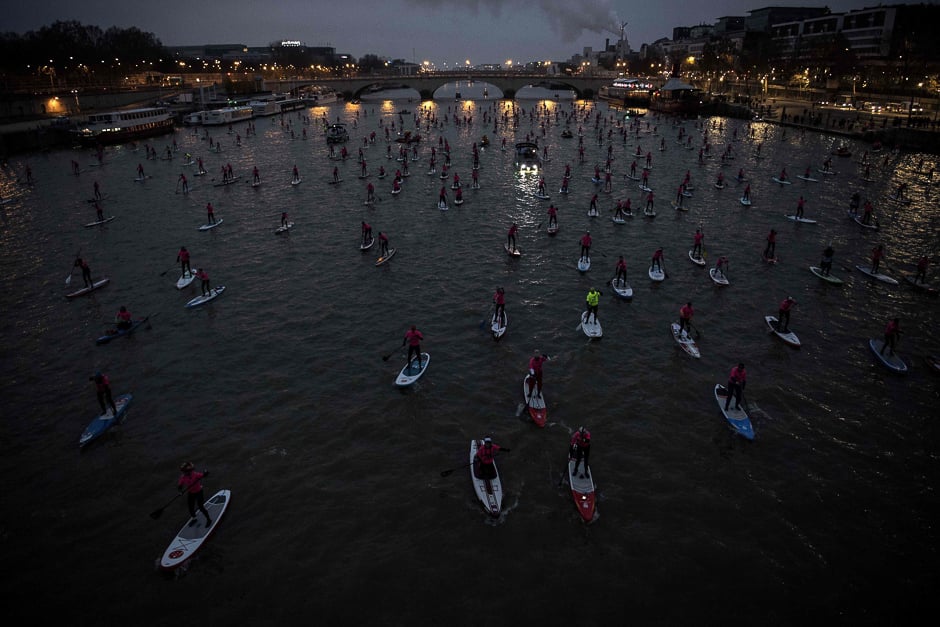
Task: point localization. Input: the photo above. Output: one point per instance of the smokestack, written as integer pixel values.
(606, 44)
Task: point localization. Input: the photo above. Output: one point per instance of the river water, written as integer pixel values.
(339, 511)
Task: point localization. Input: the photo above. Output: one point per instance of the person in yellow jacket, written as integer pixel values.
(593, 298)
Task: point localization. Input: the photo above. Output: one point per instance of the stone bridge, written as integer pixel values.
(426, 84)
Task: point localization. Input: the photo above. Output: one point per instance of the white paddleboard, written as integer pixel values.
(202, 300)
(745, 201)
(697, 259)
(191, 537)
(718, 277)
(206, 227)
(825, 277)
(591, 329)
(877, 275)
(584, 264)
(284, 228)
(889, 359)
(685, 341)
(803, 220)
(499, 326)
(737, 418)
(98, 222)
(789, 337)
(382, 260)
(411, 372)
(489, 491)
(657, 274)
(368, 244)
(514, 252)
(622, 288)
(185, 279)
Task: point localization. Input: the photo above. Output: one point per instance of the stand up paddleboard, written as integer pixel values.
(582, 490)
(889, 359)
(697, 259)
(541, 196)
(206, 227)
(921, 287)
(877, 275)
(107, 337)
(367, 245)
(796, 219)
(591, 329)
(685, 341)
(858, 221)
(192, 536)
(185, 279)
(202, 299)
(512, 252)
(499, 325)
(657, 274)
(807, 178)
(100, 222)
(385, 259)
(284, 228)
(825, 277)
(413, 371)
(617, 220)
(718, 277)
(552, 230)
(737, 418)
(745, 201)
(535, 403)
(226, 182)
(782, 181)
(584, 264)
(88, 290)
(102, 423)
(622, 288)
(789, 337)
(489, 491)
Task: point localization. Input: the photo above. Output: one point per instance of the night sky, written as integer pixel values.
(439, 31)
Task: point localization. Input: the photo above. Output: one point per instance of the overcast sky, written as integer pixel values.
(452, 31)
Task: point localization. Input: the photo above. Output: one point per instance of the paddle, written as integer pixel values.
(68, 279)
(490, 317)
(167, 270)
(698, 334)
(386, 357)
(445, 473)
(155, 514)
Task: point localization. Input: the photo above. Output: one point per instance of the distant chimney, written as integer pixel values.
(607, 44)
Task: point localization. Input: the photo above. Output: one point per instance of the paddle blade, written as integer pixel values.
(68, 280)
(519, 409)
(445, 473)
(157, 513)
(386, 357)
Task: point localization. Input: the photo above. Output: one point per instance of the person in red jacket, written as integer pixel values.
(103, 390)
(921, 276)
(685, 318)
(413, 337)
(737, 379)
(511, 237)
(499, 300)
(123, 318)
(191, 482)
(877, 253)
(771, 244)
(697, 243)
(486, 454)
(621, 269)
(586, 245)
(580, 450)
(535, 369)
(783, 315)
(892, 332)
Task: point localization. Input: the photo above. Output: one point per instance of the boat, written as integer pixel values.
(317, 95)
(116, 333)
(488, 490)
(891, 360)
(527, 157)
(336, 134)
(413, 370)
(737, 418)
(227, 115)
(408, 138)
(825, 277)
(582, 490)
(194, 534)
(788, 337)
(676, 97)
(114, 127)
(105, 421)
(627, 91)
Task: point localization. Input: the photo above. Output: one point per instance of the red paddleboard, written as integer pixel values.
(582, 490)
(534, 403)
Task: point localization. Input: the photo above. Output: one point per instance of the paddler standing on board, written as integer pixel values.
(825, 265)
(86, 271)
(771, 244)
(203, 277)
(580, 450)
(737, 379)
(191, 482)
(685, 318)
(921, 276)
(510, 236)
(370, 193)
(413, 338)
(783, 315)
(552, 217)
(877, 253)
(657, 260)
(892, 332)
(383, 245)
(366, 232)
(593, 299)
(586, 242)
(485, 456)
(103, 390)
(499, 302)
(621, 268)
(535, 370)
(284, 222)
(183, 258)
(255, 176)
(210, 213)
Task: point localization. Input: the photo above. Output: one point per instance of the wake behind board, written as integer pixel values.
(498, 326)
(582, 490)
(825, 277)
(622, 288)
(535, 402)
(185, 279)
(192, 536)
(877, 275)
(512, 252)
(657, 274)
(102, 423)
(488, 490)
(206, 227)
(788, 337)
(591, 329)
(413, 370)
(385, 259)
(685, 341)
(697, 259)
(890, 360)
(737, 418)
(202, 299)
(88, 290)
(584, 264)
(100, 222)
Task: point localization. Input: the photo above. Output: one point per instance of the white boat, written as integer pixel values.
(316, 95)
(119, 126)
(227, 115)
(336, 134)
(193, 119)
